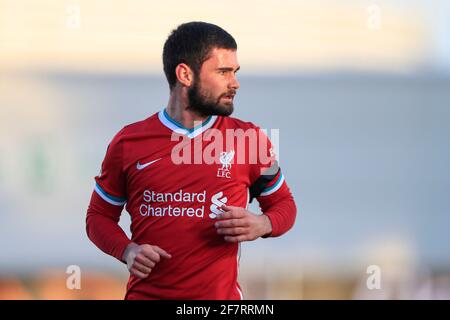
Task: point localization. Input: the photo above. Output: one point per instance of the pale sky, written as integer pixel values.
(271, 35)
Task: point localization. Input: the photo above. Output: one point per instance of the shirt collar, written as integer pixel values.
(179, 128)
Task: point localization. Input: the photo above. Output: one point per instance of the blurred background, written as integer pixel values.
(360, 91)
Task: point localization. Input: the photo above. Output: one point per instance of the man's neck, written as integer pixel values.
(177, 110)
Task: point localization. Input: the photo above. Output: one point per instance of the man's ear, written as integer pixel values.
(184, 74)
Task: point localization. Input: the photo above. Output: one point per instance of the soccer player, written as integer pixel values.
(186, 175)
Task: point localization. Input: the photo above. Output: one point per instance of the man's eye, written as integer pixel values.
(222, 72)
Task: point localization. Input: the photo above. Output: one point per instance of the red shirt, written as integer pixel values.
(172, 182)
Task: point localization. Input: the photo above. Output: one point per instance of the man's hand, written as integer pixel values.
(238, 224)
(141, 259)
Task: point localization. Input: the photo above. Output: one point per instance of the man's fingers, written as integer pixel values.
(231, 212)
(228, 215)
(232, 231)
(239, 238)
(141, 260)
(162, 252)
(145, 261)
(141, 268)
(138, 273)
(152, 254)
(228, 208)
(225, 215)
(231, 223)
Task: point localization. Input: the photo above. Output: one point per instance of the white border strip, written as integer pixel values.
(202, 129)
(274, 188)
(162, 117)
(169, 124)
(237, 261)
(105, 197)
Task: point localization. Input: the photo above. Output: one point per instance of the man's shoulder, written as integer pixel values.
(137, 127)
(235, 123)
(140, 126)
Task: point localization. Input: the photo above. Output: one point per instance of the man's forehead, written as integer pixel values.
(219, 58)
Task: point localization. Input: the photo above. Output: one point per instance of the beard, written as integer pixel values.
(206, 105)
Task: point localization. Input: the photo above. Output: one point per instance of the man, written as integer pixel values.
(186, 175)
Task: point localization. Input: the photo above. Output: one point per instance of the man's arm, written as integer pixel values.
(269, 187)
(279, 212)
(280, 208)
(102, 227)
(103, 230)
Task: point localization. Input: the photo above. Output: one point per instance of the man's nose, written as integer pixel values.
(234, 83)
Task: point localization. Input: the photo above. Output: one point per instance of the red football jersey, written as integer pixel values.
(172, 181)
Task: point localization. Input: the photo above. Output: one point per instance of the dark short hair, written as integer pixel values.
(191, 43)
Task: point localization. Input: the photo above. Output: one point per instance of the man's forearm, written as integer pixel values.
(281, 210)
(267, 226)
(103, 230)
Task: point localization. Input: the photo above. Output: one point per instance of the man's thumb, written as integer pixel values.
(162, 252)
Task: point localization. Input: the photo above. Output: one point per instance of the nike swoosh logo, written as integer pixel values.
(145, 165)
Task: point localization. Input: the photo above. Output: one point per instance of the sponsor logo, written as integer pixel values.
(145, 165)
(217, 200)
(179, 204)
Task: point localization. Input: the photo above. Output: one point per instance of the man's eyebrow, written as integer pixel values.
(228, 69)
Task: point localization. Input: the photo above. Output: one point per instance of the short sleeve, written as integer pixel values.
(110, 183)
